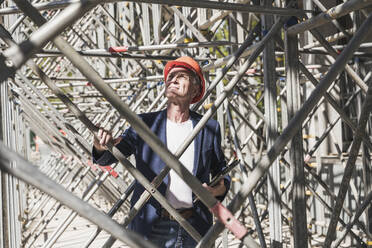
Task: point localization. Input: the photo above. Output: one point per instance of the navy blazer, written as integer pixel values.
(209, 160)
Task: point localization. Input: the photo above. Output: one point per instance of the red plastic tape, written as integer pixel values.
(118, 49)
(228, 219)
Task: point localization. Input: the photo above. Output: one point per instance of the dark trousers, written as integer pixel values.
(169, 234)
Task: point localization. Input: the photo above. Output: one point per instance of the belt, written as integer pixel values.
(185, 213)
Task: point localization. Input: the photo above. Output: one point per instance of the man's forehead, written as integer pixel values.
(179, 69)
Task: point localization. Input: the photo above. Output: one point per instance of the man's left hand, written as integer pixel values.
(218, 189)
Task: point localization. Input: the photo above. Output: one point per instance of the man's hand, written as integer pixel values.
(103, 138)
(218, 189)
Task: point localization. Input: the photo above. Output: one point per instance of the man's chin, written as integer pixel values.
(171, 94)
(176, 99)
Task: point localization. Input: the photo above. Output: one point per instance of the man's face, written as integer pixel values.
(179, 85)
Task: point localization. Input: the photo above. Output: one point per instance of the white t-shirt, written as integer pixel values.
(178, 193)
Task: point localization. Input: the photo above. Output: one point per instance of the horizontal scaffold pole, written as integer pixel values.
(331, 14)
(293, 126)
(31, 175)
(189, 3)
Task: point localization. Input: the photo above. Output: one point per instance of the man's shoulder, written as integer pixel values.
(197, 117)
(151, 116)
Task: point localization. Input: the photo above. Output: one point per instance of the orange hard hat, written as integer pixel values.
(189, 64)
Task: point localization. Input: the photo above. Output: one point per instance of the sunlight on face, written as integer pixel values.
(180, 85)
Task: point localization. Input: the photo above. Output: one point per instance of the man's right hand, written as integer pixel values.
(102, 139)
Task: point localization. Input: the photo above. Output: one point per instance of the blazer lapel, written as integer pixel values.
(197, 143)
(161, 131)
(163, 127)
(163, 137)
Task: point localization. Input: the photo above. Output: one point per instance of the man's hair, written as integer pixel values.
(195, 78)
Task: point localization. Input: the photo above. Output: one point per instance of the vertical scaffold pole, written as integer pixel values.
(270, 95)
(296, 147)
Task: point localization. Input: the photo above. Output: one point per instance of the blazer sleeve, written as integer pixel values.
(218, 160)
(127, 146)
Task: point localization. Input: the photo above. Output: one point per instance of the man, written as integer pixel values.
(185, 85)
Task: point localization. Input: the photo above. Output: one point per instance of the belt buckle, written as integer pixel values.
(171, 217)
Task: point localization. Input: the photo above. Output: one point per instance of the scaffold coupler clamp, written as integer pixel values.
(228, 219)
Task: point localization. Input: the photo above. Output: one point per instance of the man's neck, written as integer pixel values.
(178, 113)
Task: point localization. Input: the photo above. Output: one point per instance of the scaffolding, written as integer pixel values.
(288, 81)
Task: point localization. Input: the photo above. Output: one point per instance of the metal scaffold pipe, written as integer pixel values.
(291, 129)
(331, 14)
(111, 212)
(28, 173)
(92, 75)
(252, 203)
(70, 67)
(189, 3)
(141, 128)
(350, 166)
(205, 118)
